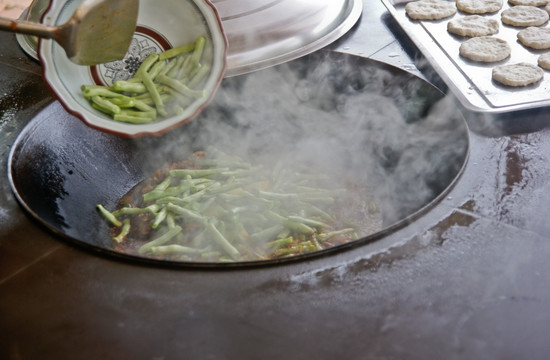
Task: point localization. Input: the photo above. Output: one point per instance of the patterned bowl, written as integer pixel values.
(161, 25)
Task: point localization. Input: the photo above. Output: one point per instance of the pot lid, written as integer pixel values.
(262, 33)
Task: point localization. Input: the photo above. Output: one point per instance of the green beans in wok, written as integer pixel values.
(216, 208)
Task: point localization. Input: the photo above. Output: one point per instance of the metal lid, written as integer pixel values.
(263, 33)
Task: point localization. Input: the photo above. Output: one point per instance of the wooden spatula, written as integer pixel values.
(99, 31)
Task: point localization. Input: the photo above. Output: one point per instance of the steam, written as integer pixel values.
(349, 118)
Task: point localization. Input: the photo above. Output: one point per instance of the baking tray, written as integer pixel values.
(471, 81)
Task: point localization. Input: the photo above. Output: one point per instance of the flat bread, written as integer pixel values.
(485, 49)
(535, 37)
(430, 9)
(472, 26)
(529, 2)
(544, 61)
(479, 6)
(520, 74)
(522, 15)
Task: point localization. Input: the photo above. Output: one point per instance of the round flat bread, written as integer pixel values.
(473, 25)
(547, 8)
(529, 2)
(430, 9)
(479, 6)
(485, 49)
(520, 74)
(522, 15)
(544, 61)
(535, 37)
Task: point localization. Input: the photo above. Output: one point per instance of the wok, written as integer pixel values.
(354, 117)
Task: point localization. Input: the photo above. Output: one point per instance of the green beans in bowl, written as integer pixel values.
(175, 64)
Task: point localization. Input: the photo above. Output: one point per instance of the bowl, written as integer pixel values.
(161, 25)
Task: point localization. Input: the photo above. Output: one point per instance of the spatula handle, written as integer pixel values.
(28, 28)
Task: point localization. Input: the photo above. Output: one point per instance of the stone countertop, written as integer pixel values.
(468, 280)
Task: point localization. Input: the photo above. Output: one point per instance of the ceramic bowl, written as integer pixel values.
(161, 25)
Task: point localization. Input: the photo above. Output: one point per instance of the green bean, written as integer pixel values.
(131, 211)
(156, 194)
(177, 51)
(166, 69)
(147, 63)
(197, 173)
(186, 69)
(223, 242)
(299, 227)
(124, 231)
(175, 70)
(133, 119)
(143, 106)
(164, 184)
(137, 113)
(163, 239)
(105, 104)
(278, 196)
(157, 68)
(316, 244)
(223, 188)
(127, 86)
(314, 210)
(123, 101)
(186, 213)
(280, 243)
(96, 90)
(267, 234)
(309, 222)
(197, 52)
(180, 99)
(203, 71)
(242, 172)
(152, 90)
(179, 87)
(103, 110)
(159, 218)
(109, 216)
(331, 234)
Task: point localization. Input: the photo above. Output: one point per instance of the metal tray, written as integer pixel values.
(470, 81)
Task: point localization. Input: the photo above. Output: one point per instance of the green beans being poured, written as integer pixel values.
(163, 86)
(213, 207)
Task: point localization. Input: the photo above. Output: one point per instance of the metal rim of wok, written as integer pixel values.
(32, 156)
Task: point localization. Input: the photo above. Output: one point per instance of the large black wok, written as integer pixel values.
(356, 117)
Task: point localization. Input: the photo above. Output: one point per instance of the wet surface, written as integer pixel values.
(468, 280)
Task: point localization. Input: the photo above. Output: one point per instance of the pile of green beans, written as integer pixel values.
(163, 86)
(223, 209)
